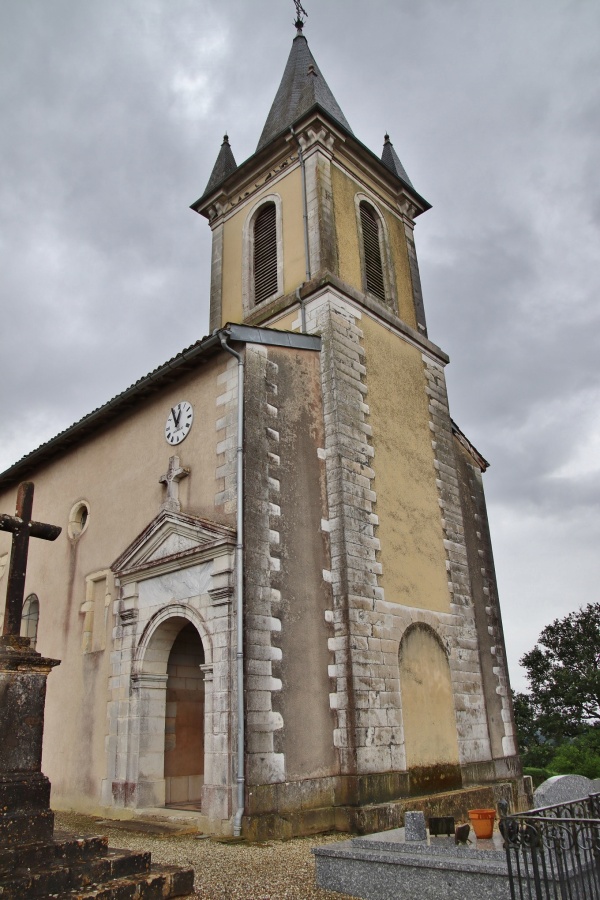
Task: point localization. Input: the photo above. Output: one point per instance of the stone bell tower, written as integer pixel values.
(314, 234)
(292, 215)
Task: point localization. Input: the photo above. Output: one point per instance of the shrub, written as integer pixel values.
(580, 756)
(537, 775)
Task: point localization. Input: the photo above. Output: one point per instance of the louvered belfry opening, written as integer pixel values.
(265, 253)
(375, 283)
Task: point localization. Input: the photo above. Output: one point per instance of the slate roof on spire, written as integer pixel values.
(223, 167)
(301, 88)
(390, 159)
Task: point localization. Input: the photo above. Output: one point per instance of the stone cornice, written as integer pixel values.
(326, 280)
(314, 130)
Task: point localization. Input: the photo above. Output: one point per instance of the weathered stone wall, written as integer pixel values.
(369, 624)
(399, 253)
(459, 628)
(490, 637)
(289, 724)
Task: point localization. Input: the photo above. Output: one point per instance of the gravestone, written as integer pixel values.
(561, 789)
(414, 826)
(33, 862)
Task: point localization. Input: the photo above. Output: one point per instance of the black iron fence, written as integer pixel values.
(553, 853)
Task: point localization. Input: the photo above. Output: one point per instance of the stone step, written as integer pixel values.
(64, 848)
(79, 876)
(161, 883)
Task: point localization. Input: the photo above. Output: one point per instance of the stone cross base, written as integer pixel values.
(25, 815)
(33, 863)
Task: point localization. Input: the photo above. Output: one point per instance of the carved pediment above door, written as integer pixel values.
(173, 540)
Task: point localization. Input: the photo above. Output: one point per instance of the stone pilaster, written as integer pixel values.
(319, 197)
(216, 277)
(227, 428)
(459, 630)
(357, 658)
(265, 762)
(492, 651)
(415, 276)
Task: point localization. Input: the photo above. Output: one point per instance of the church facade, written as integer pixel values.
(274, 598)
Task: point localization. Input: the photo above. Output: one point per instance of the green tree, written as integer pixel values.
(580, 756)
(525, 721)
(534, 746)
(563, 671)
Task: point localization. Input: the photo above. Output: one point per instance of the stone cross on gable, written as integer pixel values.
(22, 528)
(173, 476)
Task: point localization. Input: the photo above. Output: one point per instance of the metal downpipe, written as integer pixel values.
(239, 570)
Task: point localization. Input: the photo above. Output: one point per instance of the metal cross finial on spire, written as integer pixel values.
(300, 11)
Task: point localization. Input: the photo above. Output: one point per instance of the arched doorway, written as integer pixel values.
(184, 720)
(166, 737)
(175, 574)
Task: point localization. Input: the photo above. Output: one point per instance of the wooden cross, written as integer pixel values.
(22, 528)
(174, 474)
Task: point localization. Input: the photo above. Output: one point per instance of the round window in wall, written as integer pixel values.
(79, 518)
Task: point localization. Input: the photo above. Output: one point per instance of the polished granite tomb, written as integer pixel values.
(387, 866)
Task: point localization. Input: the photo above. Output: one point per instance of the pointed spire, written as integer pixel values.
(390, 159)
(223, 167)
(301, 88)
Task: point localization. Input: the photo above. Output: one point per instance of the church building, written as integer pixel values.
(273, 597)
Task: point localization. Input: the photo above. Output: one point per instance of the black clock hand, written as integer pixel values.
(176, 416)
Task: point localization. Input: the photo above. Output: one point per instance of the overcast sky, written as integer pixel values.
(111, 116)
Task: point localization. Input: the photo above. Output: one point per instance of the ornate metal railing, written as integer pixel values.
(553, 853)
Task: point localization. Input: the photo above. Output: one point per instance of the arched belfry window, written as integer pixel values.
(372, 251)
(30, 618)
(265, 253)
(378, 279)
(262, 278)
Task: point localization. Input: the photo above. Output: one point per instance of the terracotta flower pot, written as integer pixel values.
(482, 822)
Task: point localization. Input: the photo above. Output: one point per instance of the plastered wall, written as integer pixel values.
(289, 188)
(345, 189)
(117, 473)
(410, 530)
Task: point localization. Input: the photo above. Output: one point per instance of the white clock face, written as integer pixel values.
(179, 422)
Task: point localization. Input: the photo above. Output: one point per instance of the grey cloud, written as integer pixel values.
(493, 109)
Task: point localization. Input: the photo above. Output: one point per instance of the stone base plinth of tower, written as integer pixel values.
(34, 862)
(366, 804)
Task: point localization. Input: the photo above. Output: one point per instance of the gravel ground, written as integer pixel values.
(273, 870)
